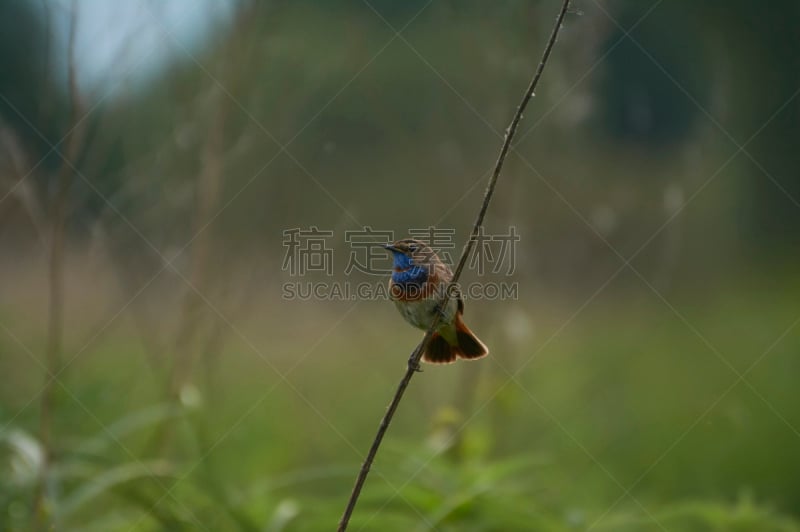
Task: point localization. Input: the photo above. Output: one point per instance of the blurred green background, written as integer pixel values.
(152, 154)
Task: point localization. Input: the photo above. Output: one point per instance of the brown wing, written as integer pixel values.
(444, 273)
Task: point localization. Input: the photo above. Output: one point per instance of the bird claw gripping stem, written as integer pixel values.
(414, 365)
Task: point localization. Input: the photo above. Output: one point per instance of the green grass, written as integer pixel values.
(626, 420)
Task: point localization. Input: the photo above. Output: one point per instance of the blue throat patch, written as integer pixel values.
(409, 274)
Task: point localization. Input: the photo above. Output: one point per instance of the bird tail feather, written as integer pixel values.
(466, 346)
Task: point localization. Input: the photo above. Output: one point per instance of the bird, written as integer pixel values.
(417, 287)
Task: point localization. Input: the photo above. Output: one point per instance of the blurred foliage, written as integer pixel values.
(599, 410)
(625, 411)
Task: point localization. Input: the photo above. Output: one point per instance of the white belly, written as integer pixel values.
(421, 313)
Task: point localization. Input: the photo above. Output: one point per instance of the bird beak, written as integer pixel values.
(391, 248)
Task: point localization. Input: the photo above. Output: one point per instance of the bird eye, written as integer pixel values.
(412, 247)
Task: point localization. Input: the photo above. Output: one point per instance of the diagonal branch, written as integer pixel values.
(413, 361)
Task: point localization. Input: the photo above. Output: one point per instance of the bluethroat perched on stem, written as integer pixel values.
(417, 288)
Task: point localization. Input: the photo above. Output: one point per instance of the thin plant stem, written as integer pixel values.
(55, 327)
(413, 361)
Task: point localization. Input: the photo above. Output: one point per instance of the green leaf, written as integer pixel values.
(110, 479)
